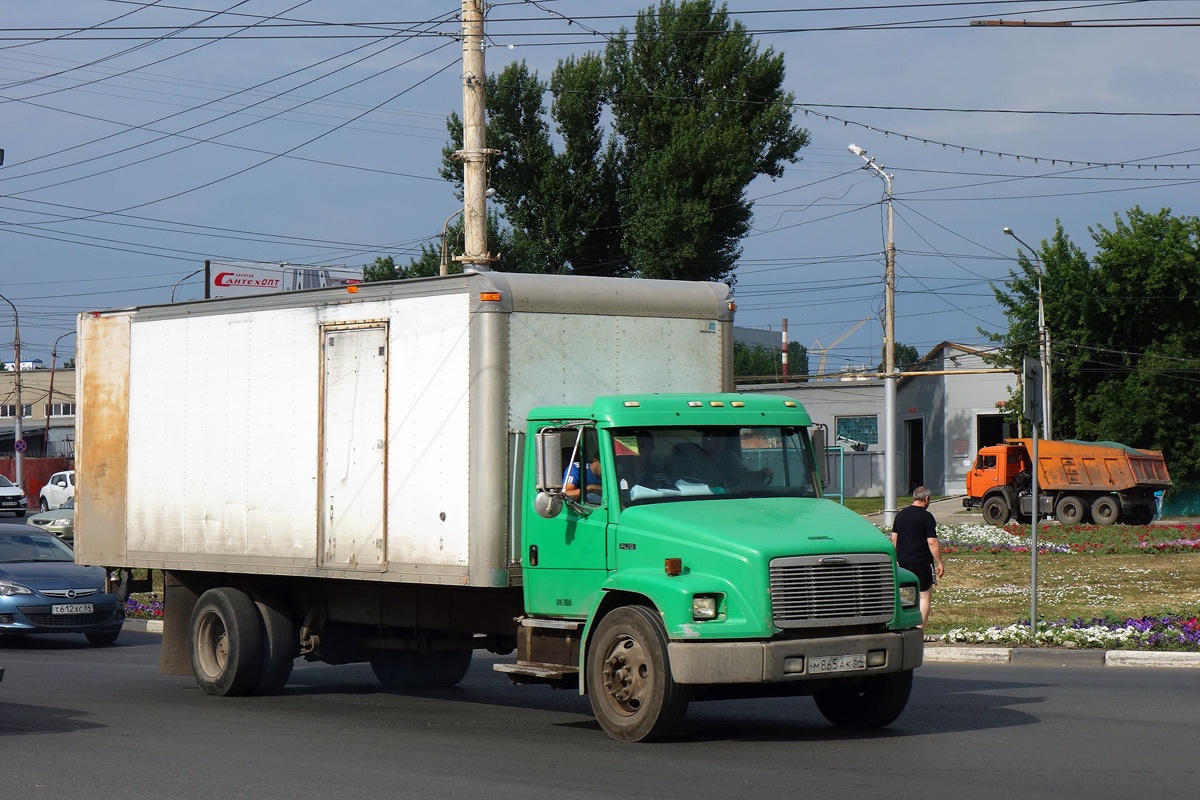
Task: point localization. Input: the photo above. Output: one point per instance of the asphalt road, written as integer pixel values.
(77, 721)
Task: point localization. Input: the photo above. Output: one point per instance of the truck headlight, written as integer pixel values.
(706, 606)
(909, 596)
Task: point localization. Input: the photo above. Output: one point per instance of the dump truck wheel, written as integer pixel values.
(226, 642)
(1069, 511)
(1105, 510)
(629, 679)
(866, 702)
(996, 511)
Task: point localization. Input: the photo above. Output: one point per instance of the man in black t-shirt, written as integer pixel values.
(914, 535)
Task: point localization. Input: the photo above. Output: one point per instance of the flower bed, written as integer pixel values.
(146, 606)
(1146, 633)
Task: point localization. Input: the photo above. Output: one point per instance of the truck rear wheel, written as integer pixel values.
(1105, 510)
(629, 679)
(281, 644)
(1070, 510)
(996, 511)
(226, 642)
(867, 702)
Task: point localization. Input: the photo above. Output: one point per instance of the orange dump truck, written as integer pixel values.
(1101, 482)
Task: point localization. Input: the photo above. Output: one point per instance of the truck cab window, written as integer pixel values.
(582, 479)
(668, 463)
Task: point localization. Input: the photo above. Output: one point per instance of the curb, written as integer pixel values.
(1060, 656)
(960, 654)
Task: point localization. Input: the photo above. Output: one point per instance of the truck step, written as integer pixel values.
(525, 672)
(553, 672)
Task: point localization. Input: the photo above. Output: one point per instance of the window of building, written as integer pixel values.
(60, 409)
(859, 429)
(11, 410)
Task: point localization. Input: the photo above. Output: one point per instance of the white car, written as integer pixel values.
(57, 490)
(12, 499)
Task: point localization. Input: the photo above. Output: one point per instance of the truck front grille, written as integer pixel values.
(824, 591)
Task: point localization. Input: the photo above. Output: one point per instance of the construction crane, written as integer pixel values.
(823, 350)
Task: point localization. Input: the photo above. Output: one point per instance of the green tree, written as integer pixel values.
(906, 355)
(1125, 334)
(754, 360)
(697, 112)
(511, 250)
(797, 361)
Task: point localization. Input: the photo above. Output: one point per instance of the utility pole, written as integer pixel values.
(889, 348)
(474, 154)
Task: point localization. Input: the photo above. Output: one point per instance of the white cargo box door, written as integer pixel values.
(354, 447)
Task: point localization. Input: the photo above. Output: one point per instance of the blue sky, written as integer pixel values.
(143, 137)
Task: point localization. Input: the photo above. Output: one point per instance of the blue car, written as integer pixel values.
(43, 590)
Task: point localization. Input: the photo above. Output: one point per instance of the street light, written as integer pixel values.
(50, 391)
(18, 434)
(445, 270)
(889, 348)
(1043, 340)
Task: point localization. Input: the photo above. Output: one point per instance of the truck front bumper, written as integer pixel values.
(709, 662)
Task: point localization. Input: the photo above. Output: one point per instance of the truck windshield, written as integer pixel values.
(656, 465)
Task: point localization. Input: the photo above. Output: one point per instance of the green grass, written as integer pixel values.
(1121, 571)
(874, 505)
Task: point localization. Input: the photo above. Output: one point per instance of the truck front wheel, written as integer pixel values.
(866, 702)
(226, 642)
(1070, 510)
(996, 511)
(629, 679)
(1105, 510)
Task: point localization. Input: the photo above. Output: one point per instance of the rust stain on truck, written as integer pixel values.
(102, 437)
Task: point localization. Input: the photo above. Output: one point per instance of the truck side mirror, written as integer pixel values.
(548, 445)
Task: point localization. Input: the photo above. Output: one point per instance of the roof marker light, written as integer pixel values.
(716, 403)
(632, 404)
(694, 404)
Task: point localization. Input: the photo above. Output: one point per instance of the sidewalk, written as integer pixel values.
(948, 511)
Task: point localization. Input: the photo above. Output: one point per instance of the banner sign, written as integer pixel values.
(241, 278)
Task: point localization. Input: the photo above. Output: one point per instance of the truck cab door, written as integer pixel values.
(983, 476)
(565, 559)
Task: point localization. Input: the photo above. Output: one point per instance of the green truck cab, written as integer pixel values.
(703, 562)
